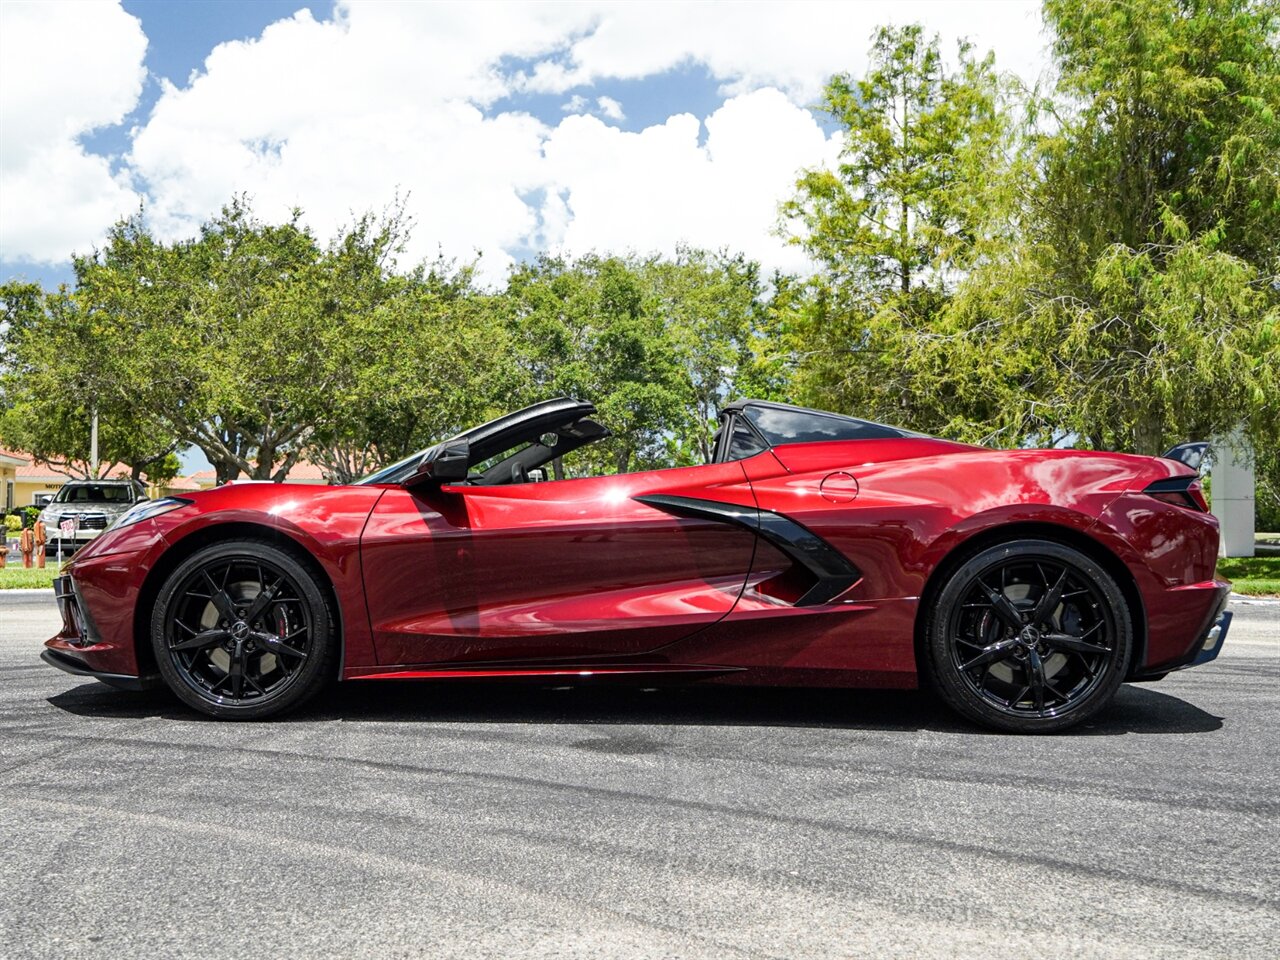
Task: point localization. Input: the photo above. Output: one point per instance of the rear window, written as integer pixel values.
(804, 426)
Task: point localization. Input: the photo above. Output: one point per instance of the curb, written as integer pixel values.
(27, 591)
(1245, 598)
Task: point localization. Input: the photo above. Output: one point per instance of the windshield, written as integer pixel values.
(95, 493)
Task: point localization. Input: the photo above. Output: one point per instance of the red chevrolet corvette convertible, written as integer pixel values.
(813, 550)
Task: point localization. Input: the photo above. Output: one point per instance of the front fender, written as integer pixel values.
(118, 579)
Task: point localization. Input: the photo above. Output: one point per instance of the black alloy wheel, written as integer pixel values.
(1029, 636)
(243, 630)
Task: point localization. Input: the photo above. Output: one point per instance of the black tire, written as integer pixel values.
(1005, 652)
(243, 630)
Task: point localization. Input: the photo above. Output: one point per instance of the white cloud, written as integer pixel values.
(335, 117)
(65, 69)
(610, 108)
(615, 190)
(339, 116)
(793, 46)
(604, 107)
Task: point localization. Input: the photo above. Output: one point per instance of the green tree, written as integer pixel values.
(658, 344)
(426, 357)
(711, 310)
(259, 370)
(62, 362)
(584, 329)
(259, 345)
(240, 343)
(911, 207)
(1146, 271)
(1267, 495)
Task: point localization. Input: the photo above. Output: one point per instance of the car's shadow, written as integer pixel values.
(1136, 709)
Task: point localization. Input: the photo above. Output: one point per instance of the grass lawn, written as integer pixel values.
(14, 577)
(1254, 576)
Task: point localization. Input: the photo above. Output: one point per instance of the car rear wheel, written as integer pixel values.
(1029, 636)
(243, 630)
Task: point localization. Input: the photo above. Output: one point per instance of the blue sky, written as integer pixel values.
(506, 127)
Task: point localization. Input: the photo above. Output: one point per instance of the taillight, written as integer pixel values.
(1183, 492)
(1196, 492)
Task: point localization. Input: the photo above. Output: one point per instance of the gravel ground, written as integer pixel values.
(502, 821)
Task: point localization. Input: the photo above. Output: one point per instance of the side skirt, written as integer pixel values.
(567, 671)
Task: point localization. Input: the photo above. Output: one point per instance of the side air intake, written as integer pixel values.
(832, 572)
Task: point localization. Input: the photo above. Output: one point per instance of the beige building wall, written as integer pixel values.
(26, 490)
(8, 483)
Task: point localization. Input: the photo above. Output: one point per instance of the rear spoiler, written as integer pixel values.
(1190, 454)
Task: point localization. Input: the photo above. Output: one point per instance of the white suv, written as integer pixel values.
(91, 506)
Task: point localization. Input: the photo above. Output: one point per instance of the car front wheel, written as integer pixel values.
(243, 630)
(1029, 636)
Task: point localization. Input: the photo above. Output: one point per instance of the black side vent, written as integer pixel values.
(832, 572)
(1180, 491)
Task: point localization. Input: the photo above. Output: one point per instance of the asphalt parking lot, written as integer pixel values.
(503, 821)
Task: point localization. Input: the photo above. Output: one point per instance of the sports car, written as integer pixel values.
(814, 549)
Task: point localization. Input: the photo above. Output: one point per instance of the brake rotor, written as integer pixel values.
(1020, 595)
(244, 593)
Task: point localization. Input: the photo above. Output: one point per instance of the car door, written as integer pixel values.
(554, 570)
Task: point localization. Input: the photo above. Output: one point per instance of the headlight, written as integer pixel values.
(149, 509)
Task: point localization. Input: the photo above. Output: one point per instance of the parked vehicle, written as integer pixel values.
(90, 507)
(813, 550)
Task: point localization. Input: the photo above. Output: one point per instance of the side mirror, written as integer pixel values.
(444, 463)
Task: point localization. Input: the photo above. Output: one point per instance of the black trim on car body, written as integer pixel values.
(122, 681)
(1175, 489)
(832, 571)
